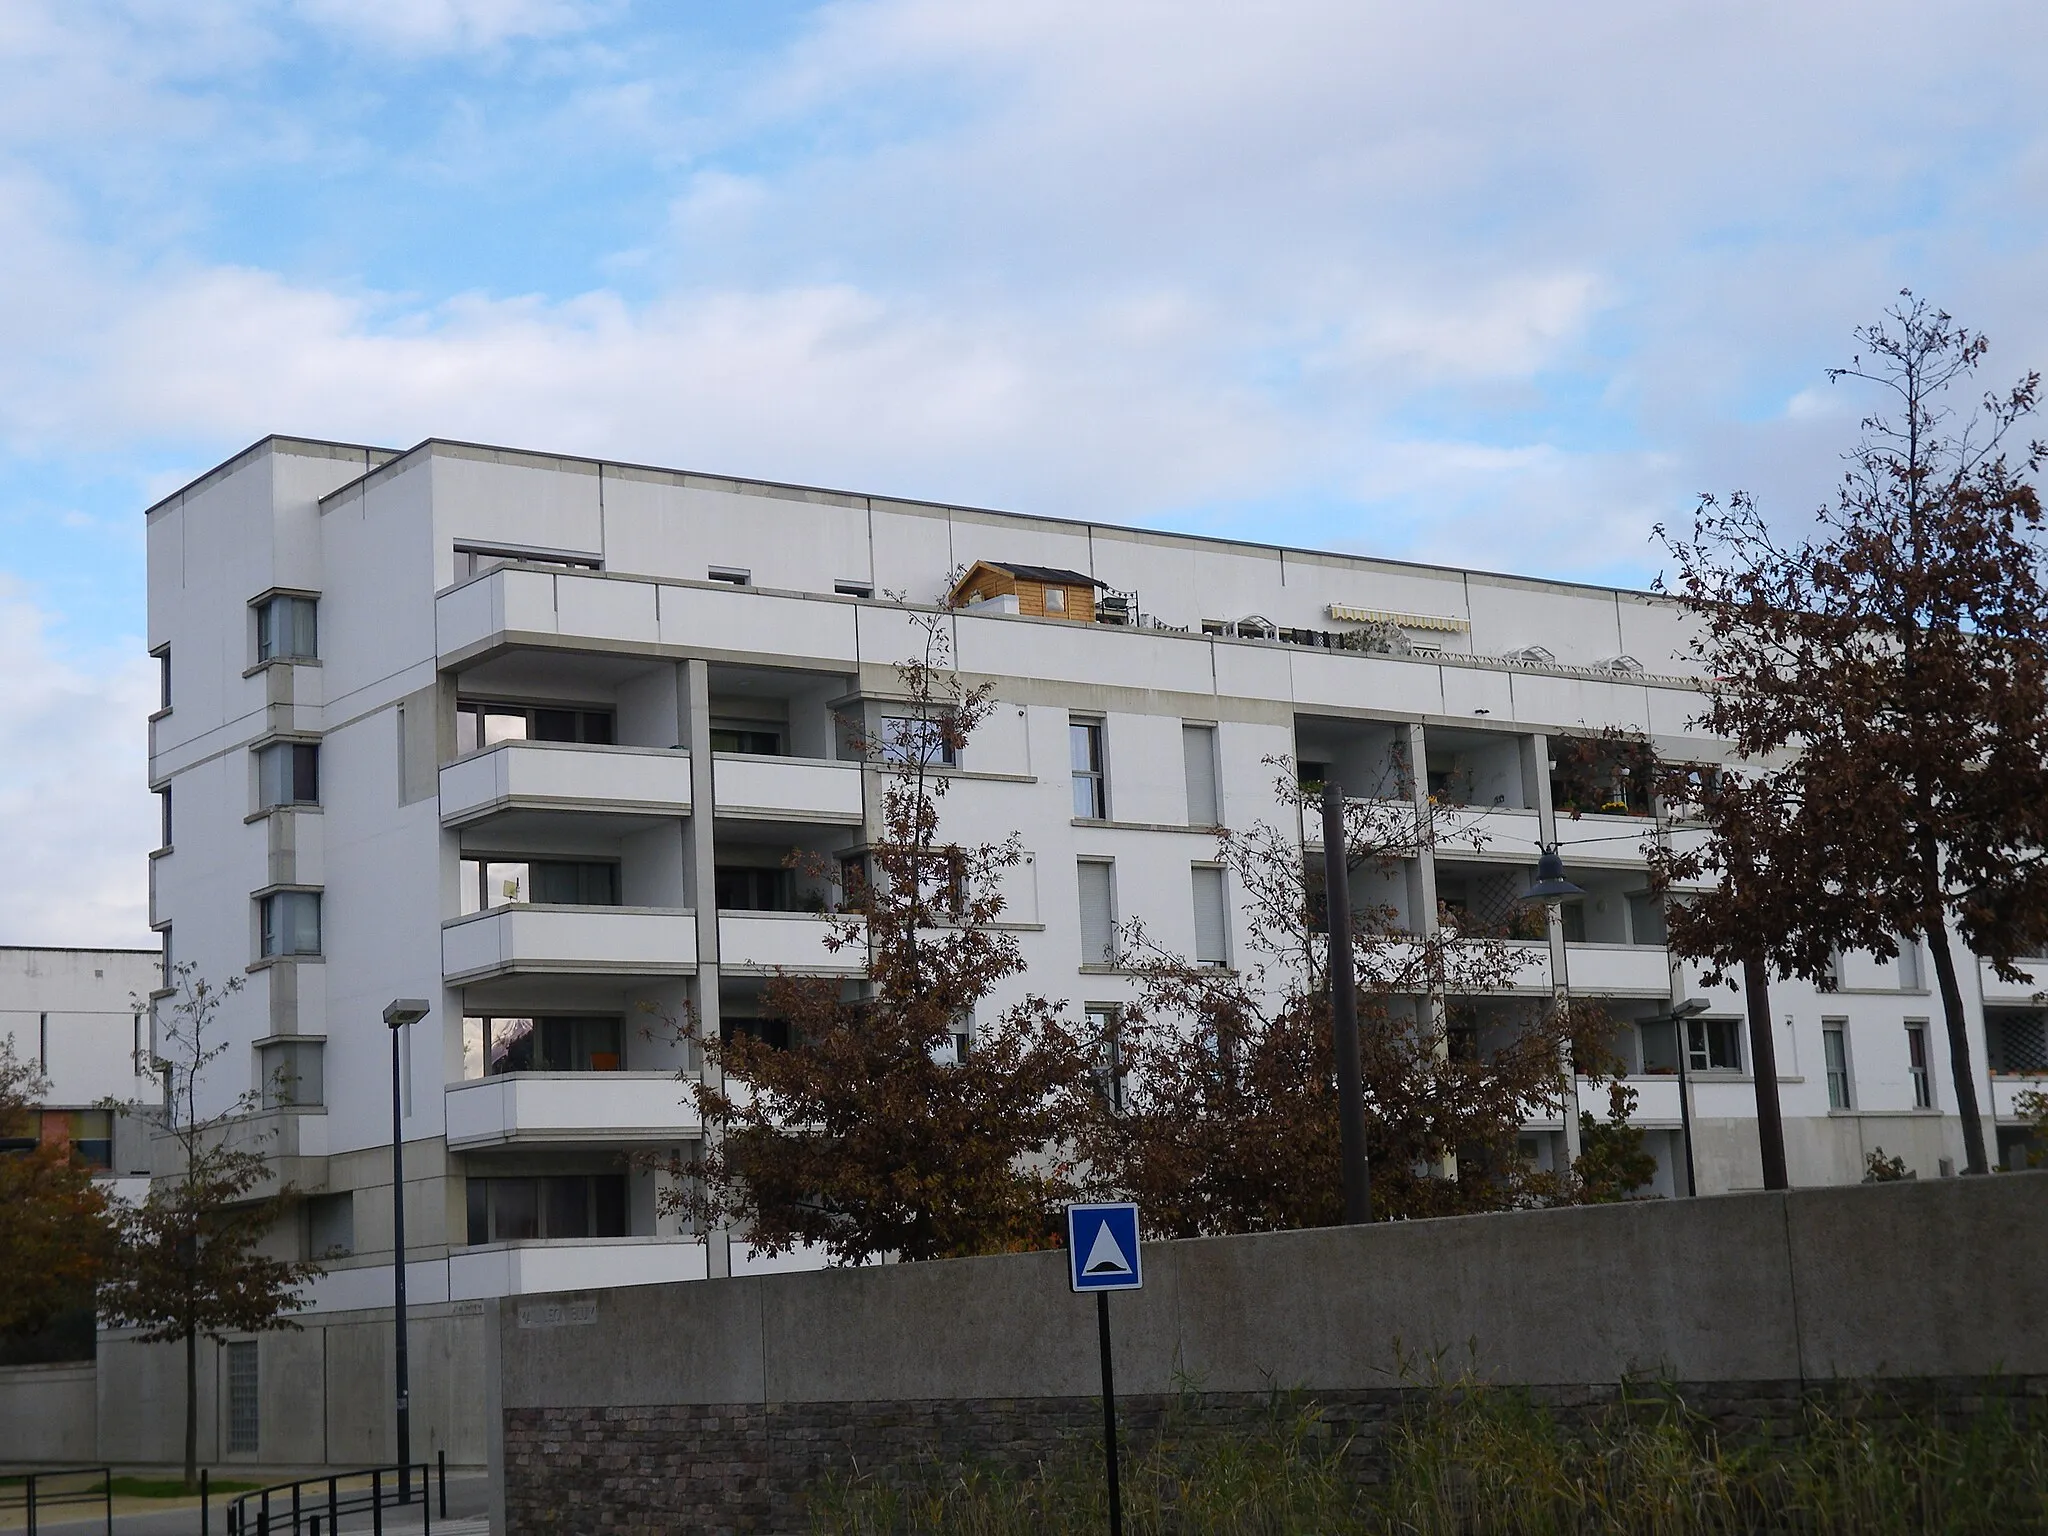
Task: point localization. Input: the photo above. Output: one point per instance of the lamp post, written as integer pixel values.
(397, 1014)
(1551, 888)
(1692, 1007)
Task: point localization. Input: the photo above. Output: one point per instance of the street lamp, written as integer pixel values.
(397, 1014)
(1692, 1007)
(1551, 888)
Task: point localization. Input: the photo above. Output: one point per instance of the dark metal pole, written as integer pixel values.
(441, 1467)
(1109, 1458)
(1678, 1028)
(1344, 1010)
(398, 1277)
(1763, 1067)
(205, 1504)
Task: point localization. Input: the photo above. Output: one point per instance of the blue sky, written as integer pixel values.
(1493, 283)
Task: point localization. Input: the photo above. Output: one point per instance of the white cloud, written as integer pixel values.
(73, 785)
(442, 26)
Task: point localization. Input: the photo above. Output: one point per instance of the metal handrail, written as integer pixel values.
(312, 1506)
(35, 1496)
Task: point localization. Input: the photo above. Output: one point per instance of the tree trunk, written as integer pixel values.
(191, 1409)
(1763, 1066)
(1958, 1049)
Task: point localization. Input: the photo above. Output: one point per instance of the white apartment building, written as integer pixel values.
(530, 737)
(79, 1018)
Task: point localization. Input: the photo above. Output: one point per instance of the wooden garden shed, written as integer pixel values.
(1042, 591)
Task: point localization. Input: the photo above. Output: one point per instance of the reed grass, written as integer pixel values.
(1467, 1459)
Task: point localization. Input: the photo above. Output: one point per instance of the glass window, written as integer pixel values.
(731, 575)
(550, 1206)
(291, 1073)
(92, 1137)
(482, 723)
(331, 1226)
(164, 810)
(1646, 919)
(854, 588)
(245, 1422)
(488, 883)
(1911, 976)
(1198, 754)
(1105, 1026)
(1098, 911)
(288, 773)
(908, 739)
(493, 1045)
(285, 629)
(291, 923)
(1834, 1042)
(1212, 919)
(1084, 745)
(1916, 1063)
(1713, 1045)
(163, 679)
(742, 889)
(751, 741)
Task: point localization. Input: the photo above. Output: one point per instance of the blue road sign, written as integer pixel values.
(1102, 1247)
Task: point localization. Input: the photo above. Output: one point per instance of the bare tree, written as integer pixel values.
(187, 1260)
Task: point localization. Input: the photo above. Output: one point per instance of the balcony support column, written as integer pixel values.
(1422, 894)
(693, 697)
(1536, 774)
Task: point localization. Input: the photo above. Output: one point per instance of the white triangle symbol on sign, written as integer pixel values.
(1104, 1256)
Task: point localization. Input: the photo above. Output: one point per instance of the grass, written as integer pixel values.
(1471, 1460)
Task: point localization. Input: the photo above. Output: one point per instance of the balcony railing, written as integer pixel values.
(570, 1108)
(520, 1269)
(762, 942)
(787, 789)
(536, 775)
(641, 941)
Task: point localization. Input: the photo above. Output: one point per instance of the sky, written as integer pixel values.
(1500, 284)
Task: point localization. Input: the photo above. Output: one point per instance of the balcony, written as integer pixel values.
(2006, 1091)
(787, 789)
(765, 942)
(1622, 968)
(559, 1109)
(1656, 1098)
(619, 941)
(520, 1269)
(560, 776)
(2019, 992)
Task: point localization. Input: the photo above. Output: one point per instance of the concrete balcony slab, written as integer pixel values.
(543, 775)
(764, 942)
(620, 941)
(560, 1109)
(787, 789)
(521, 1269)
(1639, 970)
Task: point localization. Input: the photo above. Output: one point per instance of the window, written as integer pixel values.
(285, 629)
(853, 882)
(1834, 1045)
(752, 741)
(163, 806)
(330, 1226)
(492, 1045)
(1098, 911)
(1712, 1045)
(771, 1032)
(547, 1207)
(1911, 977)
(1309, 775)
(1646, 919)
(475, 559)
(1831, 974)
(1916, 1064)
(163, 678)
(909, 739)
(743, 889)
(1105, 1025)
(291, 1073)
(853, 588)
(287, 773)
(291, 923)
(1198, 753)
(1055, 599)
(1212, 920)
(1091, 788)
(244, 1403)
(91, 1134)
(488, 883)
(731, 575)
(2016, 1042)
(481, 723)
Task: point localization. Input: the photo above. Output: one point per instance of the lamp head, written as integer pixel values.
(1550, 883)
(1690, 1007)
(406, 1010)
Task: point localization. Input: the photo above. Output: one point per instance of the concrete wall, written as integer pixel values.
(47, 1414)
(1898, 1283)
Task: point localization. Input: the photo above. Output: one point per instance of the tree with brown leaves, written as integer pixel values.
(53, 1215)
(1225, 1113)
(188, 1262)
(1885, 682)
(898, 1121)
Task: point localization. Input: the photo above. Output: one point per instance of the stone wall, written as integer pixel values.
(47, 1414)
(714, 1403)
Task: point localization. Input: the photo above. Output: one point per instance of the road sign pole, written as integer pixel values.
(1109, 1458)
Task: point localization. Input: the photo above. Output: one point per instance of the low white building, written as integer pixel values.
(80, 1018)
(529, 737)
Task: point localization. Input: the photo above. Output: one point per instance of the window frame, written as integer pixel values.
(1920, 1063)
(289, 780)
(1200, 739)
(479, 708)
(1096, 773)
(1700, 1058)
(1838, 1068)
(269, 936)
(1221, 877)
(280, 632)
(1106, 958)
(1105, 1021)
(294, 1055)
